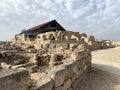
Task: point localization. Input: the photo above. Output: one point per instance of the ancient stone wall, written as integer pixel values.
(57, 65)
(116, 43)
(55, 60)
(14, 79)
(66, 75)
(58, 35)
(95, 44)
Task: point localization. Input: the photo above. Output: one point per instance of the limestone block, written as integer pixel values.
(45, 45)
(70, 89)
(0, 68)
(81, 72)
(88, 59)
(89, 66)
(5, 65)
(77, 55)
(90, 38)
(14, 79)
(35, 61)
(69, 69)
(75, 67)
(58, 45)
(52, 46)
(52, 64)
(77, 75)
(82, 62)
(73, 78)
(73, 46)
(85, 68)
(75, 84)
(86, 53)
(67, 84)
(45, 84)
(53, 57)
(38, 76)
(8, 54)
(35, 57)
(16, 66)
(65, 46)
(33, 68)
(59, 88)
(82, 47)
(58, 75)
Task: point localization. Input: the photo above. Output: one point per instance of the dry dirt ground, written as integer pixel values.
(106, 72)
(108, 60)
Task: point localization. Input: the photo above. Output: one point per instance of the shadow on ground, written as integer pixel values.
(99, 80)
(108, 68)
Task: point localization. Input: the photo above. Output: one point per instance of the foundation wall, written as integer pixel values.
(14, 80)
(67, 75)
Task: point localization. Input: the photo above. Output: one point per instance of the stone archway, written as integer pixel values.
(83, 36)
(44, 37)
(76, 36)
(73, 37)
(68, 36)
(51, 37)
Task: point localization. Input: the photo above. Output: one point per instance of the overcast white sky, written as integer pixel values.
(100, 18)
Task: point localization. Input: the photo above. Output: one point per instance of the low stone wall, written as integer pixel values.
(67, 75)
(116, 43)
(14, 79)
(58, 66)
(57, 44)
(95, 46)
(100, 45)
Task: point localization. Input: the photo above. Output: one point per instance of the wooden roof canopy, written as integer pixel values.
(48, 26)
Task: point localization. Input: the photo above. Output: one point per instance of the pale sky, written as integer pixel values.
(100, 18)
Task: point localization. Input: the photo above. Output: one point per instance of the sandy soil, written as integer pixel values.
(106, 74)
(108, 60)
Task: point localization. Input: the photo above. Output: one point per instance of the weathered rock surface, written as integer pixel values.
(14, 79)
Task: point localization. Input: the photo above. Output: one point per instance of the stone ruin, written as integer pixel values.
(50, 39)
(54, 60)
